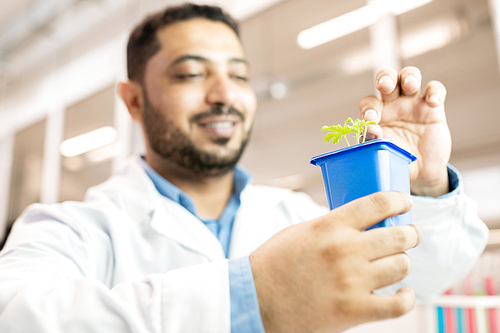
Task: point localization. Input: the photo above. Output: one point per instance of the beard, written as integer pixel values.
(170, 142)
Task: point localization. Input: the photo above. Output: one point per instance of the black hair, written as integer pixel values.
(143, 42)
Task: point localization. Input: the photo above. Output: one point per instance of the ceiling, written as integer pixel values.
(32, 28)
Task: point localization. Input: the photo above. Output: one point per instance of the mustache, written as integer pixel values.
(217, 110)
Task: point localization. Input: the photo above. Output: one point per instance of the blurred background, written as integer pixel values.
(63, 128)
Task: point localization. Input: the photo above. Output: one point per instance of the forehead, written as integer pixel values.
(211, 39)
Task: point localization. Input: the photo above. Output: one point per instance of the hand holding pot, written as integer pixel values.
(318, 276)
(414, 121)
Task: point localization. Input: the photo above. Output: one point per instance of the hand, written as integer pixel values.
(416, 123)
(318, 276)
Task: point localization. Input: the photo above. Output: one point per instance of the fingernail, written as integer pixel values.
(370, 136)
(386, 79)
(410, 198)
(419, 234)
(434, 99)
(411, 79)
(371, 115)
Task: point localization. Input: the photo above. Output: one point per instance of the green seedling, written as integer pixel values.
(338, 131)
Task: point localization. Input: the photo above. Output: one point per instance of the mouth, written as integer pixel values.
(219, 126)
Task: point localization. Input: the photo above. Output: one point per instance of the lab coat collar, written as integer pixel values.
(134, 192)
(175, 222)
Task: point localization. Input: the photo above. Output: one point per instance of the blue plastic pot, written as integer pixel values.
(353, 172)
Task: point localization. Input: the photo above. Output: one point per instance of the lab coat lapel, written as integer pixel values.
(145, 204)
(175, 222)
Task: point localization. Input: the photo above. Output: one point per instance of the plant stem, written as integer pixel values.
(345, 138)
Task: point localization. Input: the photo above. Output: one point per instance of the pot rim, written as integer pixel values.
(381, 142)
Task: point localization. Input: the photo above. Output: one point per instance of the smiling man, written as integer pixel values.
(182, 241)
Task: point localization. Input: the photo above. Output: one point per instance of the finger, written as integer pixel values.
(368, 210)
(435, 94)
(370, 108)
(388, 270)
(387, 84)
(410, 80)
(381, 307)
(374, 132)
(381, 242)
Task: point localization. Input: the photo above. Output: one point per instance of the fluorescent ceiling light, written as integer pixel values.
(336, 28)
(354, 21)
(89, 141)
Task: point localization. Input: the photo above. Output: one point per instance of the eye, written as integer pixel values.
(188, 76)
(240, 78)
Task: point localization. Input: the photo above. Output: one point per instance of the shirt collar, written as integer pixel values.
(242, 178)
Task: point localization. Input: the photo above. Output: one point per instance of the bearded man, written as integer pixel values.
(181, 241)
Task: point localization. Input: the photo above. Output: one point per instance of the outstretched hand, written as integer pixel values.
(414, 121)
(319, 276)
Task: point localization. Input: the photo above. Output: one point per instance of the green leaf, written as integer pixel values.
(338, 131)
(348, 129)
(336, 138)
(329, 136)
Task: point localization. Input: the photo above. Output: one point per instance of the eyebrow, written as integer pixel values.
(187, 57)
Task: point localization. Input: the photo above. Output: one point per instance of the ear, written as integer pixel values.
(131, 94)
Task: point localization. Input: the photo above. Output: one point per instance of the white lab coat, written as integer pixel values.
(129, 260)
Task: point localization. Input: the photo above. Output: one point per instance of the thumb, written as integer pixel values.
(368, 210)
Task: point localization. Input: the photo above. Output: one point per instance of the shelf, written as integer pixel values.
(467, 301)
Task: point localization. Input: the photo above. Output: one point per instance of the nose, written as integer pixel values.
(221, 91)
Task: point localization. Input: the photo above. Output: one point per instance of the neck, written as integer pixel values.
(210, 194)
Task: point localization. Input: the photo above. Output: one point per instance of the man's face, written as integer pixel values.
(198, 106)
